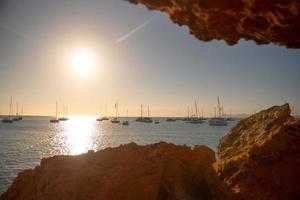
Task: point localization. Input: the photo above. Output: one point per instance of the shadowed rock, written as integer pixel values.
(260, 156)
(264, 21)
(158, 171)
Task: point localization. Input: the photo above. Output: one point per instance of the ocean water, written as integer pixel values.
(23, 144)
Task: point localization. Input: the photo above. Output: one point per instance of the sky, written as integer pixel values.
(140, 57)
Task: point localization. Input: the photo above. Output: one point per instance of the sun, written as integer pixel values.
(83, 62)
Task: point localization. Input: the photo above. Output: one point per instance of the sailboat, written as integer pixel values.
(115, 120)
(17, 117)
(218, 120)
(105, 117)
(229, 118)
(126, 122)
(148, 119)
(8, 119)
(144, 119)
(196, 119)
(55, 120)
(65, 114)
(140, 119)
(99, 119)
(187, 118)
(170, 119)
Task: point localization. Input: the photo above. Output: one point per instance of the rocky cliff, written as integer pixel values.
(264, 21)
(260, 156)
(158, 171)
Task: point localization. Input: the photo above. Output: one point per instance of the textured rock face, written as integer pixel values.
(264, 21)
(158, 171)
(260, 157)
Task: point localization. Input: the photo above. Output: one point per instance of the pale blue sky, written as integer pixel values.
(161, 64)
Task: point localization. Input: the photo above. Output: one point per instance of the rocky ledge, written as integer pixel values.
(260, 156)
(157, 171)
(260, 159)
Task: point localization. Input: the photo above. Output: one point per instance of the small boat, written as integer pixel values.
(126, 123)
(65, 113)
(218, 120)
(196, 119)
(55, 120)
(171, 120)
(115, 120)
(144, 119)
(229, 118)
(8, 120)
(17, 117)
(103, 118)
(156, 122)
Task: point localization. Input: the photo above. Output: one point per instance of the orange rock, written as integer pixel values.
(264, 21)
(260, 157)
(158, 171)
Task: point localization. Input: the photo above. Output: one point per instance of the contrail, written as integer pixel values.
(124, 37)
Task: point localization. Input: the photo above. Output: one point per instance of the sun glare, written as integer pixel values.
(83, 62)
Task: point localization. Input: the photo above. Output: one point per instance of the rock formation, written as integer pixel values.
(264, 21)
(158, 171)
(260, 156)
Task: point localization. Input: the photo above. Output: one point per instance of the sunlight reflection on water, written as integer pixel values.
(77, 135)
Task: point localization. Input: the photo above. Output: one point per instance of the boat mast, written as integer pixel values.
(116, 107)
(10, 108)
(188, 111)
(219, 107)
(142, 111)
(17, 109)
(56, 109)
(196, 109)
(215, 112)
(148, 112)
(100, 110)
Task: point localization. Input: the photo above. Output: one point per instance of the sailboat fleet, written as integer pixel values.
(193, 117)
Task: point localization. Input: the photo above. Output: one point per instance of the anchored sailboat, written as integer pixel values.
(17, 117)
(105, 117)
(55, 120)
(218, 120)
(195, 119)
(100, 119)
(126, 122)
(65, 114)
(144, 119)
(8, 118)
(116, 120)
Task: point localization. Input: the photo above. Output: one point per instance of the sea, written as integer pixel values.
(23, 144)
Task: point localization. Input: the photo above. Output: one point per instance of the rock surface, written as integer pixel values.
(260, 156)
(158, 171)
(264, 21)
